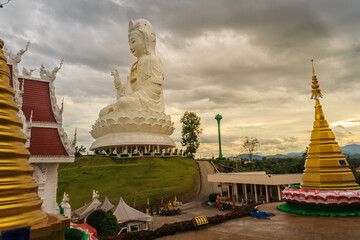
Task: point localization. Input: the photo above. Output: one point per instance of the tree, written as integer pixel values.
(79, 151)
(105, 223)
(96, 219)
(249, 145)
(305, 154)
(190, 133)
(109, 226)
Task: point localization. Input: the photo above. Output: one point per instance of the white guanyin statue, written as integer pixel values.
(143, 90)
(137, 119)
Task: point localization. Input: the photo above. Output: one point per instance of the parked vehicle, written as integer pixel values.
(134, 227)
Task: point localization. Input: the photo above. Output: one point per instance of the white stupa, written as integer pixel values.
(136, 123)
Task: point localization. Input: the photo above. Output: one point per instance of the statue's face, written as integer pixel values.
(137, 44)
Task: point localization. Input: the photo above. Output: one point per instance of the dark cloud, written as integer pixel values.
(248, 60)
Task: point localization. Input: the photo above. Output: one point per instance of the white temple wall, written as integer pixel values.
(46, 176)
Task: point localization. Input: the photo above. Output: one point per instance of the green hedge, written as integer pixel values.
(73, 234)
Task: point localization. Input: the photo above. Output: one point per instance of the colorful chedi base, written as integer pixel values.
(329, 187)
(321, 202)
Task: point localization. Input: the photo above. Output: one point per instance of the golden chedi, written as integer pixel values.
(329, 187)
(20, 205)
(325, 167)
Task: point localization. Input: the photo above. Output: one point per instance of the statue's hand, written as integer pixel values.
(117, 81)
(114, 73)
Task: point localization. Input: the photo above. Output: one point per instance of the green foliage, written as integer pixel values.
(354, 163)
(79, 150)
(95, 219)
(105, 223)
(305, 154)
(190, 133)
(271, 166)
(280, 165)
(73, 234)
(130, 178)
(109, 226)
(212, 197)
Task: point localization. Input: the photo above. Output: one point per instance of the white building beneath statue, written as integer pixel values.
(254, 186)
(47, 141)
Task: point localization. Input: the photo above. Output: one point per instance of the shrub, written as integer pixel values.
(73, 234)
(109, 226)
(95, 220)
(212, 197)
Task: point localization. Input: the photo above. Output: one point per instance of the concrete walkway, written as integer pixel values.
(198, 206)
(282, 226)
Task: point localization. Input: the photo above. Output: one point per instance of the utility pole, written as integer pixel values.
(218, 118)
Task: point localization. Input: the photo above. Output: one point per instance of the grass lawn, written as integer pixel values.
(133, 178)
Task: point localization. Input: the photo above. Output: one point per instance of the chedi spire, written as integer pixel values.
(316, 91)
(325, 167)
(20, 204)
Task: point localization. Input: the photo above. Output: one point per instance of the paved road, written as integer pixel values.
(282, 226)
(198, 206)
(205, 187)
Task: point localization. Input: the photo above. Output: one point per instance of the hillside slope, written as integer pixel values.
(136, 178)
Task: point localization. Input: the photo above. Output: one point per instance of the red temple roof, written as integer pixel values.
(36, 98)
(46, 141)
(11, 75)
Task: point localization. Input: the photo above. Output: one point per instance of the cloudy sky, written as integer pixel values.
(246, 60)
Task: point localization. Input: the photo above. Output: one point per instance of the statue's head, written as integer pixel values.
(142, 38)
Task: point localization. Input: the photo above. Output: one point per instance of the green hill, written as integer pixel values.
(134, 178)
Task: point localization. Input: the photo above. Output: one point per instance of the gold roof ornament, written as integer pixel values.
(325, 167)
(20, 205)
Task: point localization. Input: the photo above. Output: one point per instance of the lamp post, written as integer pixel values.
(218, 118)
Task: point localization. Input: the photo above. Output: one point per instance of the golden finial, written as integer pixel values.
(316, 91)
(312, 65)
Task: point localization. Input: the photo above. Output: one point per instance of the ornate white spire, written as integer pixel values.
(62, 106)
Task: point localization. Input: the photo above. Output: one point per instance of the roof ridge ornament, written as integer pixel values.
(316, 91)
(26, 72)
(15, 58)
(47, 75)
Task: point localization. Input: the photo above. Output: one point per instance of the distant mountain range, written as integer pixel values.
(353, 151)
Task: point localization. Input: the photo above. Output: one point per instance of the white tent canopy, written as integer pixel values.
(106, 205)
(86, 210)
(125, 213)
